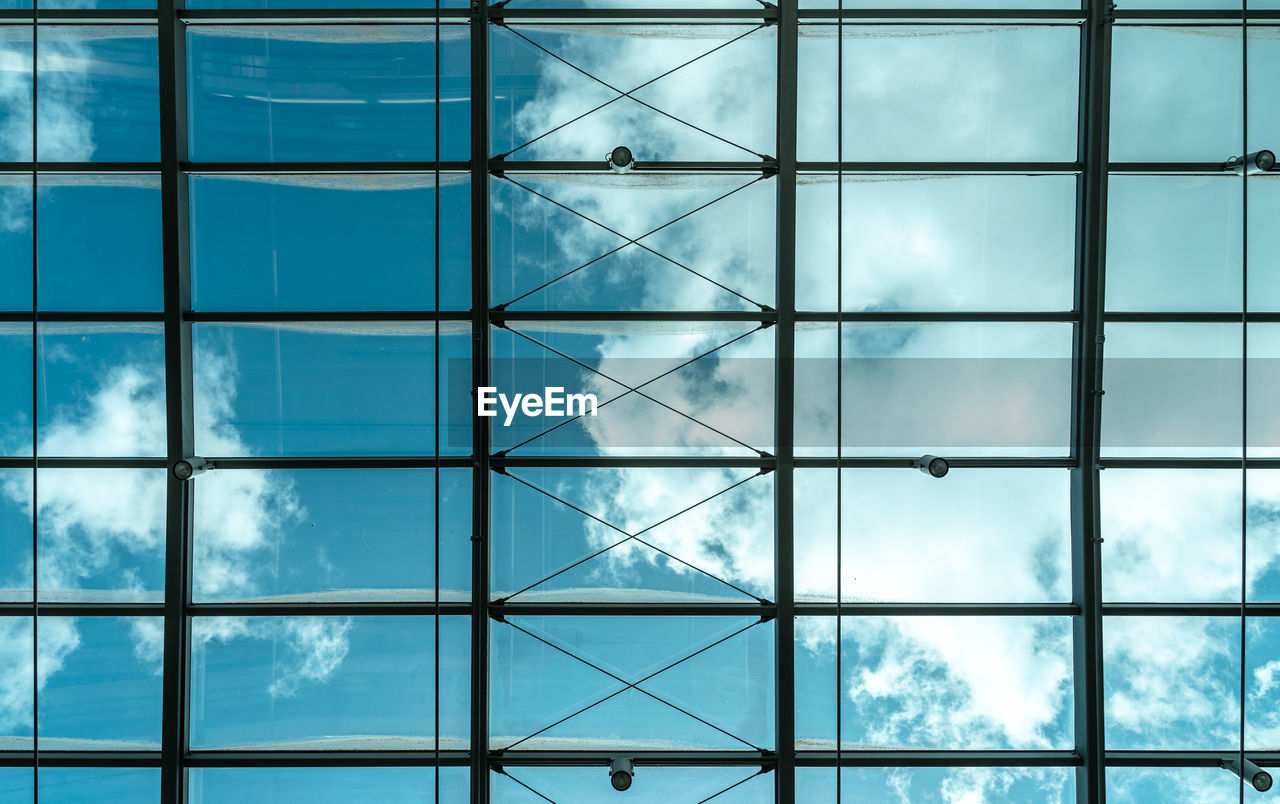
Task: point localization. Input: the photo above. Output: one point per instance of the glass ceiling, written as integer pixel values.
(293, 237)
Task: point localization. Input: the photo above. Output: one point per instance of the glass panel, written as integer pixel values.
(101, 535)
(99, 93)
(333, 92)
(1170, 535)
(102, 390)
(353, 4)
(937, 93)
(15, 391)
(15, 535)
(325, 785)
(15, 101)
(17, 662)
(323, 388)
(1006, 534)
(101, 682)
(702, 242)
(697, 91)
(936, 388)
(1174, 243)
(1147, 785)
(17, 786)
(88, 785)
(545, 548)
(1263, 532)
(1172, 389)
(331, 534)
(928, 682)
(1172, 682)
(1264, 60)
(546, 693)
(15, 224)
(334, 242)
(674, 785)
(278, 683)
(719, 404)
(935, 243)
(973, 784)
(100, 243)
(1263, 366)
(1264, 250)
(1175, 94)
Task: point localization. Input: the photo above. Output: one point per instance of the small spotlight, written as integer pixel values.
(188, 468)
(620, 160)
(621, 770)
(1260, 779)
(932, 465)
(1251, 164)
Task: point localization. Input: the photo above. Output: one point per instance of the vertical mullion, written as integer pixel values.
(479, 377)
(178, 393)
(784, 548)
(1086, 539)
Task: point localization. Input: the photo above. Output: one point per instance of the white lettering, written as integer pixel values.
(555, 396)
(582, 400)
(485, 401)
(510, 409)
(532, 405)
(552, 402)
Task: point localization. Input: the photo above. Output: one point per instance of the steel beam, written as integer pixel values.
(862, 758)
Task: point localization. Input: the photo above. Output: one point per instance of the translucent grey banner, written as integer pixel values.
(886, 405)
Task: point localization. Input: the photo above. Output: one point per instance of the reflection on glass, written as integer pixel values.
(17, 707)
(15, 101)
(924, 93)
(102, 682)
(1263, 533)
(989, 785)
(1005, 532)
(552, 697)
(682, 78)
(326, 389)
(331, 534)
(1144, 785)
(280, 683)
(1171, 535)
(937, 243)
(15, 535)
(722, 549)
(15, 391)
(99, 94)
(15, 231)
(307, 242)
(99, 243)
(1175, 94)
(326, 785)
(331, 92)
(1172, 682)
(101, 390)
(17, 785)
(1263, 381)
(87, 785)
(928, 682)
(1264, 207)
(101, 534)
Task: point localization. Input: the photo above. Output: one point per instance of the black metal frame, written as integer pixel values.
(1085, 608)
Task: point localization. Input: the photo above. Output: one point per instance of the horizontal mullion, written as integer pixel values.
(74, 759)
(350, 462)
(277, 168)
(289, 16)
(307, 759)
(1188, 463)
(1016, 168)
(1166, 167)
(283, 316)
(1064, 316)
(516, 608)
(79, 167)
(568, 758)
(954, 463)
(82, 16)
(82, 463)
(562, 166)
(499, 461)
(1155, 14)
(765, 13)
(59, 316)
(82, 609)
(1192, 317)
(327, 608)
(1184, 759)
(759, 316)
(923, 758)
(863, 609)
(982, 14)
(1189, 609)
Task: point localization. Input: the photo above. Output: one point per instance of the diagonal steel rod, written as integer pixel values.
(732, 786)
(504, 772)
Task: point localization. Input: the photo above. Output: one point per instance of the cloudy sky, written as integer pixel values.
(904, 243)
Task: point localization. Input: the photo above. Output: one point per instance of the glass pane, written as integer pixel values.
(673, 785)
(696, 91)
(331, 534)
(545, 548)
(1264, 207)
(89, 785)
(323, 388)
(925, 93)
(1174, 243)
(1263, 367)
(701, 242)
(337, 242)
(278, 683)
(1172, 683)
(100, 243)
(17, 786)
(1172, 389)
(326, 785)
(974, 784)
(935, 243)
(1175, 94)
(1147, 785)
(1171, 535)
(928, 682)
(552, 697)
(15, 535)
(1006, 534)
(15, 102)
(99, 93)
(15, 226)
(333, 92)
(102, 390)
(17, 663)
(15, 391)
(102, 535)
(101, 684)
(1263, 523)
(1264, 60)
